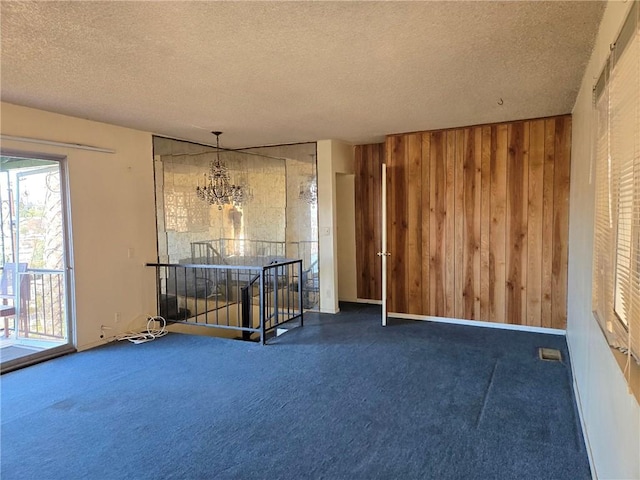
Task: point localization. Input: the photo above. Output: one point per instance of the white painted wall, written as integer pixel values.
(333, 157)
(112, 211)
(609, 412)
(346, 233)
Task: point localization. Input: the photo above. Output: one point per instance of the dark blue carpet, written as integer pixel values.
(342, 397)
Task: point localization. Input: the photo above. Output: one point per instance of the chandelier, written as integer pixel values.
(309, 188)
(218, 189)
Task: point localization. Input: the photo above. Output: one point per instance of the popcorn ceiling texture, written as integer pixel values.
(282, 72)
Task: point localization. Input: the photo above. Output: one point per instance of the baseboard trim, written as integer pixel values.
(478, 323)
(583, 425)
(369, 301)
(331, 312)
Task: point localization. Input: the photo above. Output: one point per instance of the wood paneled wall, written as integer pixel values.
(477, 222)
(368, 186)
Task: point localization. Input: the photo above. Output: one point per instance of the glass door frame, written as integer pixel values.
(69, 283)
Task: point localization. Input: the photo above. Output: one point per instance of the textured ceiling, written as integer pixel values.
(282, 72)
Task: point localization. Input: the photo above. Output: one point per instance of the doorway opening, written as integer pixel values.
(34, 293)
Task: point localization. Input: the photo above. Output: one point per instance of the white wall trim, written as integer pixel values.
(369, 301)
(333, 157)
(54, 143)
(477, 323)
(583, 425)
(330, 311)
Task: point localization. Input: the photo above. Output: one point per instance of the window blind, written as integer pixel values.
(616, 260)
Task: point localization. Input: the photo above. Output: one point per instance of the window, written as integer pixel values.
(616, 273)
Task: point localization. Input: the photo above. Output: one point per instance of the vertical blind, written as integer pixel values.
(616, 272)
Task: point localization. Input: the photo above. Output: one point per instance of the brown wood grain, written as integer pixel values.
(449, 236)
(375, 219)
(361, 219)
(368, 167)
(497, 243)
(391, 155)
(485, 227)
(397, 224)
(477, 221)
(413, 252)
(373, 214)
(561, 221)
(514, 246)
(523, 225)
(547, 221)
(459, 237)
(436, 220)
(425, 168)
(534, 223)
(467, 236)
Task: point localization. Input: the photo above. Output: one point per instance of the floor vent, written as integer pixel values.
(549, 354)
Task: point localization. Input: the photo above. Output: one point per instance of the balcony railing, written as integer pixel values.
(253, 300)
(40, 306)
(230, 251)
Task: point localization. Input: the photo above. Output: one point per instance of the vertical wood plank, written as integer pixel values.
(436, 224)
(468, 224)
(477, 218)
(485, 227)
(370, 212)
(547, 221)
(391, 147)
(426, 214)
(498, 246)
(400, 225)
(449, 225)
(459, 223)
(413, 253)
(360, 175)
(534, 223)
(369, 216)
(561, 221)
(368, 160)
(375, 200)
(514, 223)
(478, 221)
(524, 223)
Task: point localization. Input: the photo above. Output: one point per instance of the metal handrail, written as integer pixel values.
(234, 286)
(204, 265)
(42, 270)
(225, 267)
(246, 303)
(40, 307)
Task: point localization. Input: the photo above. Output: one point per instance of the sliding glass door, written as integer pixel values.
(34, 293)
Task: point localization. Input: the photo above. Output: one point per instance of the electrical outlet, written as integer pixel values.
(102, 330)
(116, 318)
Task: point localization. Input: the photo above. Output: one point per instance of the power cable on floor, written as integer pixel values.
(156, 328)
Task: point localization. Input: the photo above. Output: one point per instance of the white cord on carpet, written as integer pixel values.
(151, 333)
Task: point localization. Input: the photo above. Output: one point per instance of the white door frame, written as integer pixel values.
(69, 284)
(383, 253)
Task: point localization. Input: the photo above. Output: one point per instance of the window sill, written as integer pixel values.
(634, 377)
